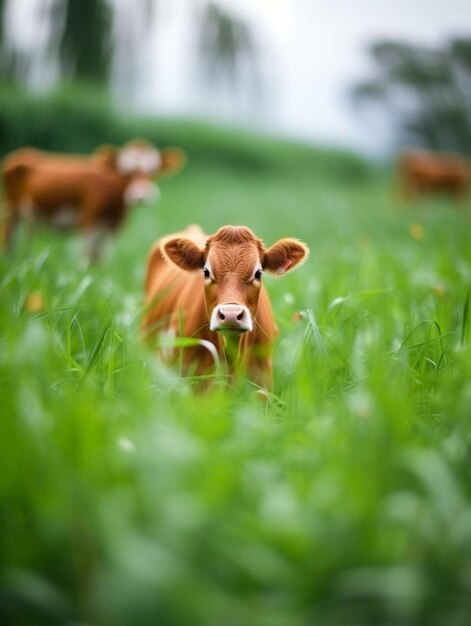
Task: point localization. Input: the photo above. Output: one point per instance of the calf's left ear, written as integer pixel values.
(285, 255)
(184, 253)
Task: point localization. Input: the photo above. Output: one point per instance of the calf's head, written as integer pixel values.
(232, 263)
(139, 162)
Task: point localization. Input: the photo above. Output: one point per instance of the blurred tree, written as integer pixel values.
(2, 21)
(425, 91)
(6, 66)
(83, 28)
(101, 41)
(227, 47)
(78, 41)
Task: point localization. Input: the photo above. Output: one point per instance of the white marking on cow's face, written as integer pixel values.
(257, 273)
(141, 190)
(127, 161)
(144, 160)
(208, 271)
(149, 161)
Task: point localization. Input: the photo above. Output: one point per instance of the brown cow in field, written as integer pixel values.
(427, 173)
(91, 193)
(211, 288)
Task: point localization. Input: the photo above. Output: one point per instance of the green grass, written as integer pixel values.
(127, 497)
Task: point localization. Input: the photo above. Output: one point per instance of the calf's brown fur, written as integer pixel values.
(211, 288)
(424, 173)
(90, 193)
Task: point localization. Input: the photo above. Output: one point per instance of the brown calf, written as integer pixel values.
(211, 288)
(427, 173)
(90, 193)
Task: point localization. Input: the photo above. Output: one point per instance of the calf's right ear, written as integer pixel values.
(184, 253)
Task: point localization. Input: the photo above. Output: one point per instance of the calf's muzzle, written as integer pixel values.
(231, 317)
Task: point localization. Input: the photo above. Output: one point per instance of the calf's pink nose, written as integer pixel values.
(231, 317)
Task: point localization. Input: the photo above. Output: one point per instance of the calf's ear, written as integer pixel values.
(106, 155)
(184, 253)
(173, 160)
(285, 255)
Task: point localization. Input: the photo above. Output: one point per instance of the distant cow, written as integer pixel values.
(427, 173)
(211, 288)
(91, 193)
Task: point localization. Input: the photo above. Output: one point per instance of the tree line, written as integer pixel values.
(424, 91)
(84, 43)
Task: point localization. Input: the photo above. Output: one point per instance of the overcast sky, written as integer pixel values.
(312, 51)
(326, 50)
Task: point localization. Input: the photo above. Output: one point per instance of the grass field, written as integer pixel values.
(127, 497)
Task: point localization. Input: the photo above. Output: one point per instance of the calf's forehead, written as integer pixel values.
(234, 258)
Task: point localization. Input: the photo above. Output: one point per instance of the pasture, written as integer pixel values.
(128, 497)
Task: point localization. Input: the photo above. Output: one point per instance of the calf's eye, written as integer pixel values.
(258, 275)
(206, 272)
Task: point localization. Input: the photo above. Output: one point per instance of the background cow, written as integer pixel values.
(211, 288)
(91, 193)
(426, 173)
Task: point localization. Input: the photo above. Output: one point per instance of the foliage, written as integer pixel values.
(89, 38)
(79, 42)
(227, 47)
(5, 54)
(74, 119)
(2, 20)
(128, 497)
(84, 39)
(426, 91)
